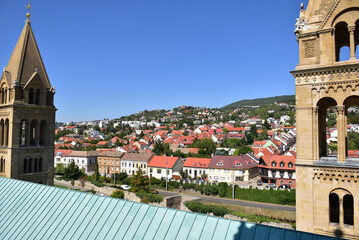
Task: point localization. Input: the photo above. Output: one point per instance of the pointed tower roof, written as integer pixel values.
(26, 60)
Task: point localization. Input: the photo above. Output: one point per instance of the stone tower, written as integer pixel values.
(27, 114)
(327, 185)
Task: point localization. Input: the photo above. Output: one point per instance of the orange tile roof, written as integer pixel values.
(197, 162)
(161, 161)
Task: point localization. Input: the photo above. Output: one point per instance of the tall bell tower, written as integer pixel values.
(327, 184)
(27, 114)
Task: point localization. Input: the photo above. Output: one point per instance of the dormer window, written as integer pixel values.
(274, 164)
(220, 164)
(238, 164)
(290, 164)
(281, 164)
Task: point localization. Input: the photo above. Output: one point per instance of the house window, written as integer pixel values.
(290, 164)
(281, 174)
(57, 159)
(150, 170)
(219, 164)
(159, 171)
(117, 162)
(281, 164)
(290, 174)
(290, 183)
(117, 169)
(274, 164)
(99, 160)
(238, 164)
(82, 161)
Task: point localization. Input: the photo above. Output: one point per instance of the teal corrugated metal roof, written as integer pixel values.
(35, 211)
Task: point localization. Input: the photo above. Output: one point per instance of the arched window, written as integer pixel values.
(5, 95)
(281, 164)
(43, 133)
(22, 131)
(25, 165)
(356, 36)
(38, 97)
(342, 51)
(2, 164)
(274, 164)
(352, 115)
(323, 115)
(2, 125)
(33, 133)
(36, 164)
(290, 164)
(348, 206)
(31, 96)
(49, 99)
(29, 165)
(40, 164)
(6, 132)
(334, 208)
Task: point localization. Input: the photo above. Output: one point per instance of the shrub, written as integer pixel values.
(98, 184)
(144, 200)
(222, 188)
(151, 197)
(118, 194)
(201, 208)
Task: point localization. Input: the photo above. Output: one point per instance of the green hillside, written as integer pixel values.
(289, 99)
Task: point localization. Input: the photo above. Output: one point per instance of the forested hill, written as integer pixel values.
(289, 99)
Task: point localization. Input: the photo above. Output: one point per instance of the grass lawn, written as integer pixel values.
(270, 213)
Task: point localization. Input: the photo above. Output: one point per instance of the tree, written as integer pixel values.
(82, 181)
(59, 169)
(253, 130)
(266, 125)
(72, 171)
(243, 150)
(183, 174)
(96, 173)
(118, 194)
(139, 182)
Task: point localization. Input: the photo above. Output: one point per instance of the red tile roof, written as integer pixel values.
(227, 162)
(161, 161)
(197, 162)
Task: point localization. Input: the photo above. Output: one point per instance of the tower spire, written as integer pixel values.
(28, 7)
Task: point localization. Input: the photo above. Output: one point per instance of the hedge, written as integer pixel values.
(201, 208)
(151, 197)
(118, 194)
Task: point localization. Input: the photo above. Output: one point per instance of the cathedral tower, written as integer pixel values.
(327, 182)
(27, 114)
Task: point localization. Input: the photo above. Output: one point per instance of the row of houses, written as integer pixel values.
(215, 169)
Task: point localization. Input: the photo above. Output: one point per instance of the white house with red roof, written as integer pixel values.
(163, 166)
(224, 168)
(278, 169)
(196, 167)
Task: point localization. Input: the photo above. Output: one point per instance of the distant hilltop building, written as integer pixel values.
(327, 193)
(27, 114)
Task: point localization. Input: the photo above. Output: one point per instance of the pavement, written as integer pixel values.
(233, 201)
(205, 198)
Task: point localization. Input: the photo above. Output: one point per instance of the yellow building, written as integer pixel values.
(327, 186)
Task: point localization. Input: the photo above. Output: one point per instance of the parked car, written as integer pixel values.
(271, 185)
(284, 187)
(153, 191)
(125, 187)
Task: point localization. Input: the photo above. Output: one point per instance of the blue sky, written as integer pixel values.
(113, 58)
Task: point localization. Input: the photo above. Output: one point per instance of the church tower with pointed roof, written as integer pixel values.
(327, 86)
(27, 114)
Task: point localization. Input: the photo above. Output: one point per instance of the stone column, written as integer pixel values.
(341, 212)
(351, 30)
(315, 133)
(341, 128)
